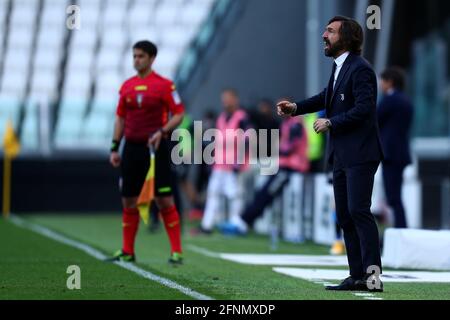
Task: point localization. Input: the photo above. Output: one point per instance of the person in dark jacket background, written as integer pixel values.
(395, 115)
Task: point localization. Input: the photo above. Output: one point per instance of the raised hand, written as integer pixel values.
(285, 108)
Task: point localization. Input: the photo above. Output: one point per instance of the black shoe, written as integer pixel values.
(369, 284)
(348, 284)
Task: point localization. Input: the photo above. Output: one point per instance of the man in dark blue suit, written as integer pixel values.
(395, 114)
(354, 148)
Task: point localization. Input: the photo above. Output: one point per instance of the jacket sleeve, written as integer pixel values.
(364, 91)
(311, 105)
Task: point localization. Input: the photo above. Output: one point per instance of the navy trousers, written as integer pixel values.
(353, 192)
(392, 180)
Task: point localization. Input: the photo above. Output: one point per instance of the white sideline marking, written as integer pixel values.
(203, 251)
(326, 284)
(387, 276)
(361, 294)
(274, 259)
(263, 259)
(100, 256)
(319, 276)
(286, 259)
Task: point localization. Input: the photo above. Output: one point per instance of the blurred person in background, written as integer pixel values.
(264, 118)
(183, 170)
(395, 115)
(202, 171)
(316, 145)
(293, 158)
(145, 103)
(226, 177)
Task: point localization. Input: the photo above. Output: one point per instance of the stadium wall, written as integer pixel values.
(90, 184)
(268, 51)
(64, 185)
(260, 57)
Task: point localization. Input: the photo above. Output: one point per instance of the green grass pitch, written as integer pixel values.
(34, 267)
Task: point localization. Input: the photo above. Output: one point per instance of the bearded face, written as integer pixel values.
(332, 49)
(333, 45)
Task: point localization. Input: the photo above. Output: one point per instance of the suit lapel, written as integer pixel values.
(341, 76)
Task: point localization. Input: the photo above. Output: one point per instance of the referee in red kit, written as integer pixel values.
(142, 117)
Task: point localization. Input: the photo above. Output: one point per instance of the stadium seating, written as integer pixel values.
(70, 122)
(81, 70)
(99, 123)
(30, 130)
(9, 111)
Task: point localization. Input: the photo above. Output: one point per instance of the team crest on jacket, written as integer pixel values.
(342, 97)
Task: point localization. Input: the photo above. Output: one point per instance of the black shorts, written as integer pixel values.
(134, 167)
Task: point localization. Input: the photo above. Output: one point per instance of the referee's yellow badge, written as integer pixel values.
(141, 88)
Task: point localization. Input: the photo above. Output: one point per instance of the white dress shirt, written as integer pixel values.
(339, 63)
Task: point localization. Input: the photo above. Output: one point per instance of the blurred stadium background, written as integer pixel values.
(59, 88)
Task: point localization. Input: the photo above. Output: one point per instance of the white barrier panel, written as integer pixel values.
(387, 276)
(289, 207)
(292, 207)
(324, 223)
(286, 259)
(262, 224)
(411, 197)
(416, 249)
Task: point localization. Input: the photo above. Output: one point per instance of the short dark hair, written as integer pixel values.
(233, 91)
(147, 46)
(396, 75)
(351, 34)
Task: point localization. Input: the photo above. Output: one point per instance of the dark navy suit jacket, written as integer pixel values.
(395, 113)
(354, 136)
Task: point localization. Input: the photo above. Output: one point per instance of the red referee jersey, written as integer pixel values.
(145, 104)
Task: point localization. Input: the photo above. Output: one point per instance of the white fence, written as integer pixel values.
(305, 209)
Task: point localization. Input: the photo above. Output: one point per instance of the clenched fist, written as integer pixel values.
(285, 108)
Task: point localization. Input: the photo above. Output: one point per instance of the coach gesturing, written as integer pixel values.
(354, 149)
